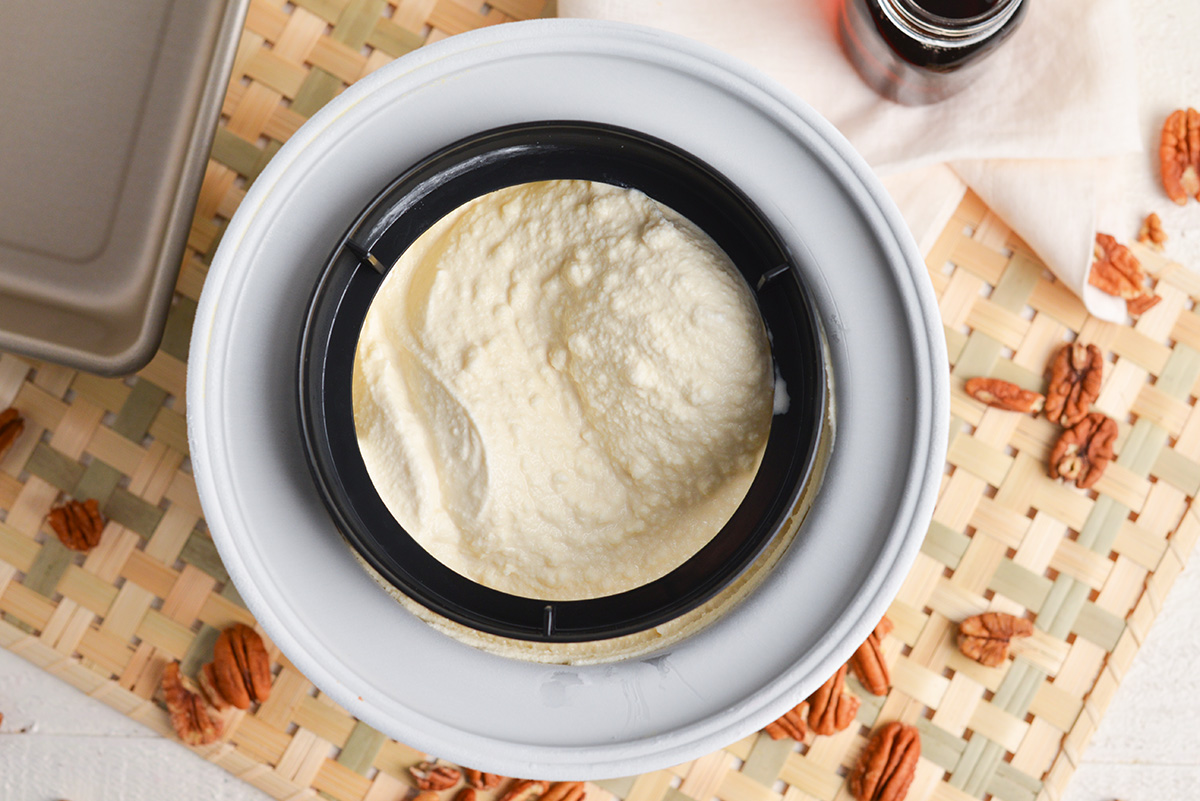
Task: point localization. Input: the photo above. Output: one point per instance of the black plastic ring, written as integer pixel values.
(518, 154)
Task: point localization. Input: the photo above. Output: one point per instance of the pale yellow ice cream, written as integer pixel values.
(563, 389)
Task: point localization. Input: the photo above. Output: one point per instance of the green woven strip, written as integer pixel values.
(979, 356)
(940, 746)
(1057, 615)
(766, 759)
(357, 21)
(1020, 584)
(178, 332)
(1099, 626)
(394, 40)
(944, 544)
(207, 256)
(618, 787)
(200, 552)
(1141, 448)
(200, 651)
(1010, 784)
(960, 772)
(327, 10)
(1017, 690)
(139, 410)
(98, 481)
(673, 794)
(1179, 374)
(318, 89)
(230, 593)
(869, 705)
(984, 769)
(268, 153)
(54, 468)
(48, 567)
(1177, 470)
(1103, 525)
(955, 342)
(361, 748)
(235, 152)
(1015, 286)
(132, 512)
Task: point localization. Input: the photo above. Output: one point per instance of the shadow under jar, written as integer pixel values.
(918, 52)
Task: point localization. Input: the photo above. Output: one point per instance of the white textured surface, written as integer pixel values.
(57, 743)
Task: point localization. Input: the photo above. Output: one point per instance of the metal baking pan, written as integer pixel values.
(109, 110)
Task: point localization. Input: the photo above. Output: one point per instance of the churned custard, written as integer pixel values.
(563, 389)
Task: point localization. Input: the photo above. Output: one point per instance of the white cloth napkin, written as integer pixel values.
(1032, 135)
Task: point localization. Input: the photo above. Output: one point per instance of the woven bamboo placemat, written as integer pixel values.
(1094, 567)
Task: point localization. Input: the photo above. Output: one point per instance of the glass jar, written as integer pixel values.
(921, 51)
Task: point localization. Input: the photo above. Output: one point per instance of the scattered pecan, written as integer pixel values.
(868, 664)
(482, 781)
(241, 668)
(191, 717)
(430, 776)
(791, 724)
(208, 686)
(1004, 395)
(831, 709)
(887, 765)
(77, 524)
(465, 794)
(1179, 155)
(11, 426)
(565, 791)
(1075, 376)
(524, 790)
(1141, 304)
(1083, 451)
(1152, 234)
(1117, 271)
(985, 637)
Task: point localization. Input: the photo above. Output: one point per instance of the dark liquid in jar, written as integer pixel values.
(957, 9)
(914, 69)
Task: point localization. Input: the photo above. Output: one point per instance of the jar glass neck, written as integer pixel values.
(938, 31)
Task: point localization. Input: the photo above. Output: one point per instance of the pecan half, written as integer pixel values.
(985, 637)
(241, 668)
(523, 790)
(1084, 450)
(207, 680)
(1152, 234)
(565, 791)
(1179, 155)
(465, 794)
(77, 524)
(482, 781)
(1004, 395)
(1075, 375)
(430, 776)
(791, 724)
(868, 664)
(191, 717)
(11, 426)
(1117, 271)
(831, 709)
(887, 765)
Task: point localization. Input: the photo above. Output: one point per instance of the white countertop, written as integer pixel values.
(56, 743)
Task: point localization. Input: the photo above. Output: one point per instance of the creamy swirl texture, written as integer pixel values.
(563, 389)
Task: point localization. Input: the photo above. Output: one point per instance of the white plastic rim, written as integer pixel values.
(887, 358)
